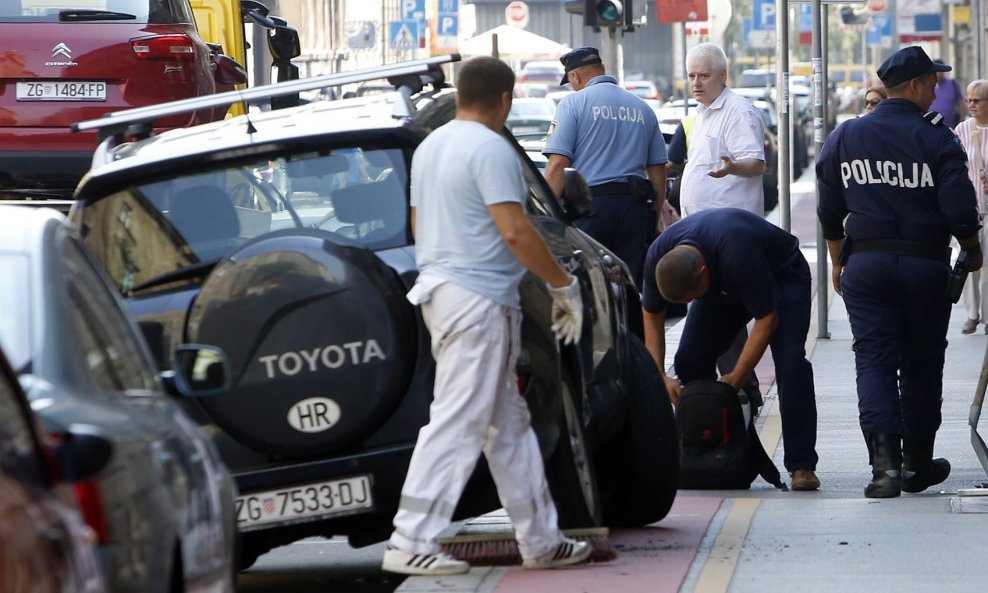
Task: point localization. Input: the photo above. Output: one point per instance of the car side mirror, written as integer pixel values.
(198, 370)
(228, 71)
(82, 452)
(576, 195)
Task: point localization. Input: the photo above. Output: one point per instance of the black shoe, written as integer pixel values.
(935, 472)
(919, 469)
(886, 462)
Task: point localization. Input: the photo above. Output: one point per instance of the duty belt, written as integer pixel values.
(901, 247)
(613, 187)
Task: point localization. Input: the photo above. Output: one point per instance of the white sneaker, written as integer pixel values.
(399, 561)
(568, 552)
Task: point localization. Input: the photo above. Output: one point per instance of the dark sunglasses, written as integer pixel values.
(873, 102)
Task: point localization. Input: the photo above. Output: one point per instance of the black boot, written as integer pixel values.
(886, 460)
(919, 469)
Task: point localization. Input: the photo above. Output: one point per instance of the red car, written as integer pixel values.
(64, 61)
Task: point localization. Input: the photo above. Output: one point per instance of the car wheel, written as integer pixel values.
(570, 471)
(643, 460)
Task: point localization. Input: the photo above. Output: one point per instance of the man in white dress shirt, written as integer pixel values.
(726, 156)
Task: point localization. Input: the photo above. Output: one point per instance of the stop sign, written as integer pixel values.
(516, 14)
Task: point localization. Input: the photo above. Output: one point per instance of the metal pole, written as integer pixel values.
(609, 52)
(977, 18)
(782, 107)
(820, 94)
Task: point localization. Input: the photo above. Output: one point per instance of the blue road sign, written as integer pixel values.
(447, 24)
(413, 10)
(404, 34)
(805, 17)
(763, 14)
(879, 32)
(449, 6)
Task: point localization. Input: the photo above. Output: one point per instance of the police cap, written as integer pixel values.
(906, 64)
(579, 57)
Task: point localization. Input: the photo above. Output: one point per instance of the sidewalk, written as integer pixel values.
(834, 540)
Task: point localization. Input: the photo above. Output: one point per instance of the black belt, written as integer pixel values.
(612, 187)
(901, 247)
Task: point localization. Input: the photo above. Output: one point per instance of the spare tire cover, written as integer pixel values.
(319, 336)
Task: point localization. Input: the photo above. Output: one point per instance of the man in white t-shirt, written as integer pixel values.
(473, 245)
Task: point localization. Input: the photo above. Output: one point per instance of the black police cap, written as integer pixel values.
(906, 64)
(579, 57)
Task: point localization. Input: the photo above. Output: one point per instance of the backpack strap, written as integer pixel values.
(761, 460)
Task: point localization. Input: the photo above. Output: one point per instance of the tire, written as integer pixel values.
(643, 460)
(320, 340)
(570, 470)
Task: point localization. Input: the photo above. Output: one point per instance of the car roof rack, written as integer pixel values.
(409, 77)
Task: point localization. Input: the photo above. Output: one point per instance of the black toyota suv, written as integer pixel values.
(283, 237)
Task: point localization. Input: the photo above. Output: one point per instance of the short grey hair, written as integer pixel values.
(710, 52)
(978, 89)
(678, 272)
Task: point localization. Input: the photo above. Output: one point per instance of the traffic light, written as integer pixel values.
(602, 13)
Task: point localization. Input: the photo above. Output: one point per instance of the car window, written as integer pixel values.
(154, 230)
(53, 11)
(14, 322)
(529, 109)
(111, 352)
(538, 198)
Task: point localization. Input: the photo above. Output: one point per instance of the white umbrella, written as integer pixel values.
(513, 44)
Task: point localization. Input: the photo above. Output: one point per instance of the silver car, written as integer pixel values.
(162, 508)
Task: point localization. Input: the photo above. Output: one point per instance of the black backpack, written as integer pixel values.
(720, 449)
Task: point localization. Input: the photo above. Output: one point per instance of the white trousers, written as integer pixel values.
(975, 292)
(476, 408)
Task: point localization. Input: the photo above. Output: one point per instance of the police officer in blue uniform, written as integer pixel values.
(734, 266)
(612, 138)
(899, 178)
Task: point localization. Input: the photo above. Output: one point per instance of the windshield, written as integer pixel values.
(174, 230)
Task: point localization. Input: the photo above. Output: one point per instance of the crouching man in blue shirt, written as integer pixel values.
(733, 266)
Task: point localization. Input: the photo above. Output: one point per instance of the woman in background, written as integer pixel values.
(873, 96)
(973, 134)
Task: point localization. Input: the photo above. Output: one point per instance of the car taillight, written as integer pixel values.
(164, 47)
(90, 500)
(522, 382)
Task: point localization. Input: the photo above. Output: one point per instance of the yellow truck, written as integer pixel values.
(221, 22)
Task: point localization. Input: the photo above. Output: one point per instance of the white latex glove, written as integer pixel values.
(567, 311)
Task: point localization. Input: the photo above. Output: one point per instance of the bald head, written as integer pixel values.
(679, 274)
